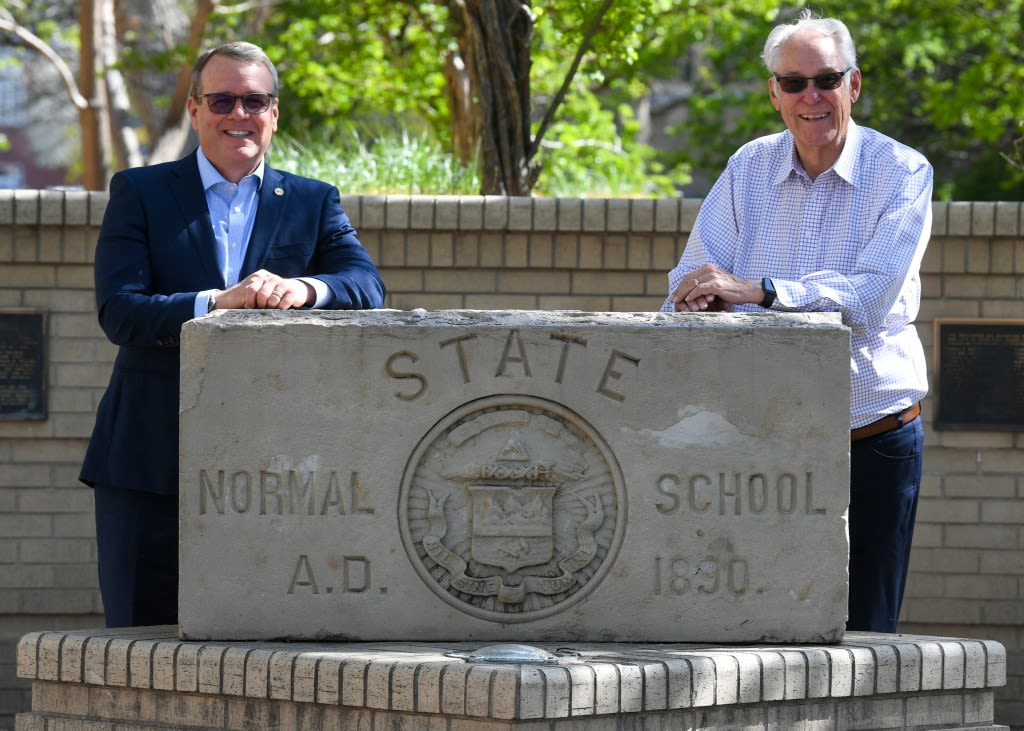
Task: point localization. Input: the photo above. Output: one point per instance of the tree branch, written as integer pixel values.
(175, 126)
(124, 137)
(33, 41)
(549, 113)
(244, 7)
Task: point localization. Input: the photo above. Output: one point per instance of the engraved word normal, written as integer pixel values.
(292, 492)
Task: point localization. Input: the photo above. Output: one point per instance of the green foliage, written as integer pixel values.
(340, 62)
(593, 151)
(360, 159)
(938, 76)
(935, 77)
(942, 76)
(357, 160)
(384, 62)
(728, 104)
(640, 41)
(946, 79)
(594, 147)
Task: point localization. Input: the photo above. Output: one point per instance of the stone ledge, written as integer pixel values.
(603, 679)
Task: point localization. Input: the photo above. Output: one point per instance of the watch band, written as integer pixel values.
(768, 287)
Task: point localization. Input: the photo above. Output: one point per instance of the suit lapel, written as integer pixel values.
(187, 190)
(273, 197)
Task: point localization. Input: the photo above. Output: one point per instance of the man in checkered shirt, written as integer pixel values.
(829, 216)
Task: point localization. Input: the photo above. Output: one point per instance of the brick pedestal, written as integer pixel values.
(146, 679)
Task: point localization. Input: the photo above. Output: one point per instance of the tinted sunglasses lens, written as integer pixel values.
(220, 103)
(796, 84)
(259, 103)
(826, 82)
(792, 84)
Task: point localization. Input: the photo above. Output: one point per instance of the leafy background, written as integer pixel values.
(666, 91)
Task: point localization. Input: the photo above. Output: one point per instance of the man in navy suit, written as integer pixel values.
(217, 229)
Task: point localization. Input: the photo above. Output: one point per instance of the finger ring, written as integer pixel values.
(275, 293)
(696, 282)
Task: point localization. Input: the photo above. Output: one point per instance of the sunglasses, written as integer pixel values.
(221, 102)
(824, 82)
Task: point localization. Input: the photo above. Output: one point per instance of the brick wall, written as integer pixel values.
(967, 567)
(967, 575)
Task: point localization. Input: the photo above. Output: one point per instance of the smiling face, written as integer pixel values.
(234, 142)
(818, 119)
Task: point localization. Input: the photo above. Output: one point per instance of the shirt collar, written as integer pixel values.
(211, 176)
(788, 164)
(844, 167)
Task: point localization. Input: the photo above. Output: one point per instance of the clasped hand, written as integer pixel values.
(710, 289)
(263, 290)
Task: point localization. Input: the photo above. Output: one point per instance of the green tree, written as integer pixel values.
(558, 90)
(108, 112)
(938, 76)
(549, 86)
(462, 68)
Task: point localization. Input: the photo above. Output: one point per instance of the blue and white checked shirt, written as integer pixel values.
(850, 241)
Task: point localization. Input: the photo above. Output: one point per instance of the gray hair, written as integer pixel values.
(830, 27)
(238, 50)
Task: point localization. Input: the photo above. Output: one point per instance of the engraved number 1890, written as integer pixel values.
(679, 575)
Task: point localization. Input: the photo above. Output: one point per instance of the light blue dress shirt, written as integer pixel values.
(233, 212)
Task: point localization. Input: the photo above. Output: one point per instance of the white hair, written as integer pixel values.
(830, 27)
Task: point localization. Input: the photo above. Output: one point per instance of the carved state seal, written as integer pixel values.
(512, 508)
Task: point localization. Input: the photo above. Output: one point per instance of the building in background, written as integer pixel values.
(22, 164)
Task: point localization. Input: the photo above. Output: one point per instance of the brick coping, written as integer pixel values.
(500, 213)
(597, 678)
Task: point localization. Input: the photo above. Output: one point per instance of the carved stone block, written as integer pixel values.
(514, 476)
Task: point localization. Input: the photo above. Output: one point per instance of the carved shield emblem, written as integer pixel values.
(512, 527)
(512, 507)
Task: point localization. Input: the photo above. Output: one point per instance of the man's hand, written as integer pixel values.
(263, 290)
(710, 289)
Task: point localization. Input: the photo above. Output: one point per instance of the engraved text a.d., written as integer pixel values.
(341, 575)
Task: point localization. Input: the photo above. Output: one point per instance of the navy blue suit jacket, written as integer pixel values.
(156, 251)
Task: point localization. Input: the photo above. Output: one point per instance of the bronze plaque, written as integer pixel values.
(22, 364)
(981, 374)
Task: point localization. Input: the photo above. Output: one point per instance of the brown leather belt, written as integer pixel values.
(886, 423)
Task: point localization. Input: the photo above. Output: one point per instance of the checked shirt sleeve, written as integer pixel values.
(715, 222)
(870, 264)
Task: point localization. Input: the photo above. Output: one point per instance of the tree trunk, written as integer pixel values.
(174, 132)
(122, 131)
(463, 107)
(94, 157)
(494, 39)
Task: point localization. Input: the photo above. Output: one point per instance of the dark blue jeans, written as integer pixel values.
(885, 479)
(137, 542)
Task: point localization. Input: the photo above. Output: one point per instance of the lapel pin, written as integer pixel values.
(278, 191)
